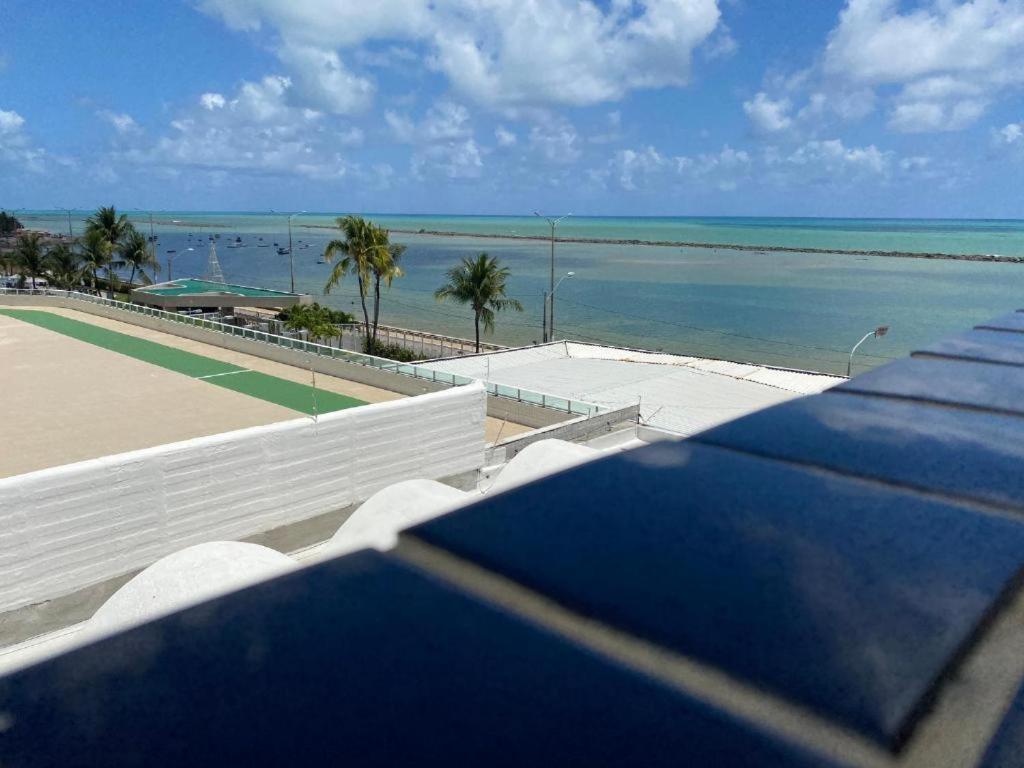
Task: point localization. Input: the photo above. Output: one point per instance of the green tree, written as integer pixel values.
(358, 252)
(317, 321)
(481, 283)
(95, 255)
(136, 253)
(386, 268)
(65, 267)
(114, 230)
(8, 224)
(29, 256)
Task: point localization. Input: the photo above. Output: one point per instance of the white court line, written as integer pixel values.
(226, 373)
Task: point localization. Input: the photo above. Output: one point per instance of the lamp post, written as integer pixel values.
(291, 258)
(68, 212)
(878, 333)
(551, 298)
(551, 293)
(170, 263)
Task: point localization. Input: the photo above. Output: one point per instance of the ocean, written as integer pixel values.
(778, 307)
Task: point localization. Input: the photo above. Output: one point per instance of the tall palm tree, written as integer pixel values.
(114, 230)
(65, 266)
(28, 254)
(95, 255)
(359, 250)
(135, 252)
(385, 267)
(479, 282)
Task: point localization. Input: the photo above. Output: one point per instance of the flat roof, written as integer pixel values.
(191, 286)
(678, 393)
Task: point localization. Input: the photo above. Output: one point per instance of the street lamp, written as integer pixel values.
(878, 333)
(68, 212)
(170, 263)
(551, 297)
(291, 258)
(553, 222)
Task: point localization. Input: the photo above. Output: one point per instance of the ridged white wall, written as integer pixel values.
(68, 527)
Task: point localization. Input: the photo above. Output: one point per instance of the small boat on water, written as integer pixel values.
(283, 251)
(236, 244)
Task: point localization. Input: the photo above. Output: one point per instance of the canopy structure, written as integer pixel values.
(193, 293)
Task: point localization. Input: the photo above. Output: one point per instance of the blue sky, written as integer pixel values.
(658, 107)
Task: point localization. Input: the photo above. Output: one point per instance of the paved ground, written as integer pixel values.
(66, 400)
(290, 394)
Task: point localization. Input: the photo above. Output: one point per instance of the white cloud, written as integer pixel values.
(212, 101)
(10, 122)
(768, 116)
(835, 158)
(505, 137)
(322, 81)
(123, 123)
(499, 52)
(630, 164)
(1012, 133)
(454, 160)
(948, 59)
(257, 131)
(444, 121)
(556, 141)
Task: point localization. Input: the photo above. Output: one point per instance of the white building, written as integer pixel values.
(676, 393)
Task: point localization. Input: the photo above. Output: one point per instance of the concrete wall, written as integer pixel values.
(64, 528)
(580, 429)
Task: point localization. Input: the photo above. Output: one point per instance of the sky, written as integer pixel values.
(892, 108)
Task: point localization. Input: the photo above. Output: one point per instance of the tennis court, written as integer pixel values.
(288, 394)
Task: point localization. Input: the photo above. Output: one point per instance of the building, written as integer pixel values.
(195, 294)
(681, 394)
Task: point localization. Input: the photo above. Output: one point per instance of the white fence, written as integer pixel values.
(65, 528)
(321, 350)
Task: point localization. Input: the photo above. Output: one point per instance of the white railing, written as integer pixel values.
(531, 397)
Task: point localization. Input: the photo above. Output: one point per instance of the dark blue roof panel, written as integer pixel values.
(361, 661)
(846, 597)
(952, 382)
(964, 453)
(981, 346)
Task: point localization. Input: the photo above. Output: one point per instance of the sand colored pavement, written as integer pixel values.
(65, 400)
(495, 429)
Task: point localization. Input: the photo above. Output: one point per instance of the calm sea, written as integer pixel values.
(775, 307)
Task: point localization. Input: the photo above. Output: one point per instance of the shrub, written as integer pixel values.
(390, 351)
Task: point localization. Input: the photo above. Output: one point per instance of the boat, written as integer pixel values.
(283, 251)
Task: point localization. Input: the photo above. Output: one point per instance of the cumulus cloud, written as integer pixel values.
(444, 121)
(123, 123)
(574, 52)
(18, 152)
(454, 160)
(948, 60)
(256, 131)
(767, 115)
(505, 137)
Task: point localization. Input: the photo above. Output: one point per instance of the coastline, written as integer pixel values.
(994, 257)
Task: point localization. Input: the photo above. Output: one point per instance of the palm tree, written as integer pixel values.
(114, 230)
(95, 255)
(28, 254)
(135, 252)
(65, 266)
(479, 282)
(315, 320)
(360, 247)
(385, 267)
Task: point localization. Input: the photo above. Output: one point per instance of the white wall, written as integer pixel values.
(67, 527)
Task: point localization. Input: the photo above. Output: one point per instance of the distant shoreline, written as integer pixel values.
(979, 257)
(719, 246)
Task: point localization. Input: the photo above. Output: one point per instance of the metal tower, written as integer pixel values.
(213, 271)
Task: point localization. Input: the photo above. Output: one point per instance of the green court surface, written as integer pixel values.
(289, 394)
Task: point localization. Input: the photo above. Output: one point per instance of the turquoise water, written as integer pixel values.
(776, 307)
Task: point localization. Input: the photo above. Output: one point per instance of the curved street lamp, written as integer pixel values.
(553, 222)
(878, 333)
(551, 297)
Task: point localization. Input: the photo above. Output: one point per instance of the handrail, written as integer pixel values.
(531, 397)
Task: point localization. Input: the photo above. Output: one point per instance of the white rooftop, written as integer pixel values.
(677, 393)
